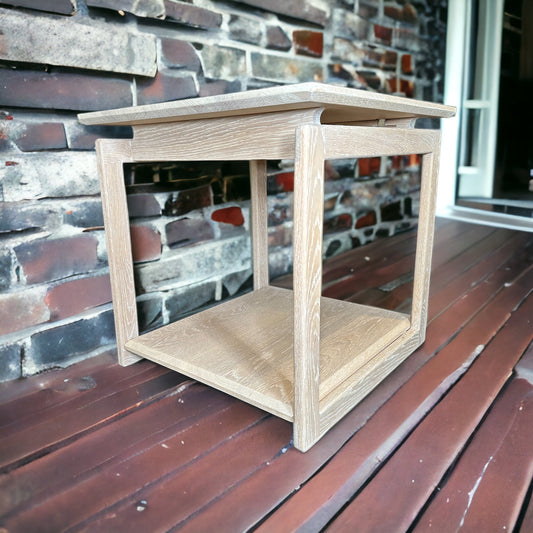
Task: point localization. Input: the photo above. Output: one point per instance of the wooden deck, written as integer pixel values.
(444, 443)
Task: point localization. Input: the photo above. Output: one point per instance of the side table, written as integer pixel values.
(303, 357)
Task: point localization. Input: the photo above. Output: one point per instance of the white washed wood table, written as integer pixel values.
(303, 357)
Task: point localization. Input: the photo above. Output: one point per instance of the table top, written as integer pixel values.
(340, 104)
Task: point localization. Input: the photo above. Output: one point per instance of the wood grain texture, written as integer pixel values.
(307, 271)
(259, 222)
(245, 346)
(111, 155)
(358, 141)
(343, 104)
(263, 136)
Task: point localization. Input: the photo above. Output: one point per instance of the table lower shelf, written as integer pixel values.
(245, 346)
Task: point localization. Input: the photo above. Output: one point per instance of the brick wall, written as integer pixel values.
(189, 221)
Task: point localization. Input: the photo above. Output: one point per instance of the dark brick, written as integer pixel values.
(165, 87)
(145, 243)
(406, 87)
(340, 222)
(150, 8)
(82, 137)
(333, 247)
(60, 344)
(20, 216)
(43, 136)
(228, 215)
(179, 54)
(73, 297)
(285, 69)
(236, 188)
(188, 231)
(150, 312)
(191, 15)
(22, 309)
(7, 265)
(62, 7)
(62, 90)
(185, 201)
(367, 10)
(370, 78)
(300, 9)
(277, 39)
(86, 213)
(245, 29)
(220, 87)
(185, 302)
(10, 362)
(391, 212)
(143, 205)
(308, 43)
(50, 259)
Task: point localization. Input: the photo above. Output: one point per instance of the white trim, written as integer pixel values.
(488, 218)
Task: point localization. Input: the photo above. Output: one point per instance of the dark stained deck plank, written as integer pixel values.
(410, 476)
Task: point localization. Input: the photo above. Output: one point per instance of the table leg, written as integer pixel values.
(259, 222)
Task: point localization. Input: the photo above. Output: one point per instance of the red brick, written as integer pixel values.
(188, 231)
(383, 34)
(228, 215)
(49, 259)
(179, 54)
(368, 219)
(285, 181)
(73, 297)
(145, 243)
(165, 87)
(407, 67)
(368, 165)
(21, 310)
(308, 43)
(190, 15)
(62, 90)
(43, 136)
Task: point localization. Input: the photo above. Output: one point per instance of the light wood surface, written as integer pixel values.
(259, 223)
(245, 346)
(111, 156)
(342, 105)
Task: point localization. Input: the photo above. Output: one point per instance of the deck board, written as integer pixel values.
(97, 447)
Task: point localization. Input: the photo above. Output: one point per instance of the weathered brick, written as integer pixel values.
(277, 39)
(7, 268)
(84, 213)
(62, 7)
(73, 297)
(368, 165)
(336, 223)
(347, 24)
(22, 309)
(191, 15)
(308, 43)
(145, 8)
(285, 181)
(391, 211)
(20, 216)
(62, 90)
(238, 282)
(165, 87)
(61, 344)
(367, 10)
(220, 87)
(308, 10)
(82, 137)
(228, 215)
(42, 136)
(150, 312)
(50, 259)
(245, 29)
(39, 39)
(50, 175)
(185, 201)
(10, 362)
(223, 63)
(370, 78)
(143, 205)
(407, 64)
(285, 69)
(179, 54)
(406, 39)
(407, 13)
(145, 243)
(347, 50)
(280, 235)
(188, 231)
(184, 301)
(383, 34)
(366, 219)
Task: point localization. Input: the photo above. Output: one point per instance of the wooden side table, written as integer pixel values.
(300, 356)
